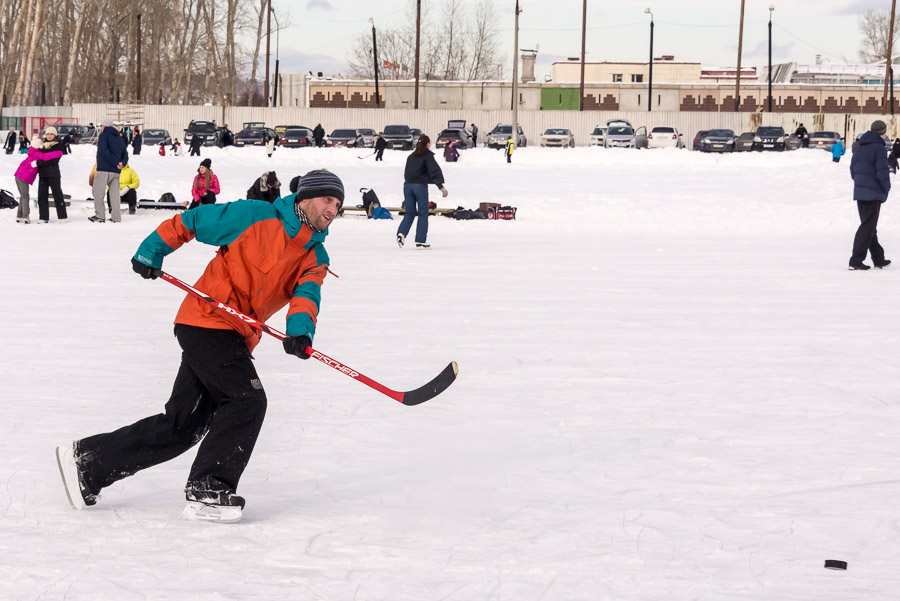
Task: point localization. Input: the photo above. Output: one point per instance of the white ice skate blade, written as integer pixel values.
(65, 459)
(201, 512)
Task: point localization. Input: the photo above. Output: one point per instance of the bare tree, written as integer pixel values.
(875, 29)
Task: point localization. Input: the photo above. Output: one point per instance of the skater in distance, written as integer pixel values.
(270, 256)
(421, 169)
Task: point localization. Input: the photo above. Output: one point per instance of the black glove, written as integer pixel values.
(297, 345)
(145, 271)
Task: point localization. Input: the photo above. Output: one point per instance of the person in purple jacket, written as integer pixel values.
(27, 173)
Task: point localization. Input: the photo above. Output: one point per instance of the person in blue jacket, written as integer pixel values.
(421, 170)
(837, 151)
(871, 185)
(112, 156)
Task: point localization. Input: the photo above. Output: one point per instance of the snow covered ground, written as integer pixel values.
(670, 388)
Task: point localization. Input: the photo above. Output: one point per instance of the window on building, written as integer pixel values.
(637, 77)
(617, 77)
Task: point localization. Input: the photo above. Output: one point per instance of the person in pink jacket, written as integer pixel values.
(26, 174)
(206, 185)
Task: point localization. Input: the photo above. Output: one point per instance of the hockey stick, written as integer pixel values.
(424, 393)
(367, 156)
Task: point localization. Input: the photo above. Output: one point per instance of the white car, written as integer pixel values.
(561, 138)
(598, 137)
(664, 137)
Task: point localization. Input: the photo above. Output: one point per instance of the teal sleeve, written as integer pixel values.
(152, 251)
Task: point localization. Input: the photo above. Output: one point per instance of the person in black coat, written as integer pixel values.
(802, 135)
(196, 142)
(137, 141)
(49, 179)
(380, 145)
(318, 135)
(266, 188)
(10, 145)
(871, 185)
(421, 169)
(65, 143)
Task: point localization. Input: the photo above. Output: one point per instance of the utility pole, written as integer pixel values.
(514, 133)
(375, 58)
(268, 49)
(887, 64)
(140, 98)
(737, 93)
(583, 35)
(771, 8)
(650, 83)
(418, 29)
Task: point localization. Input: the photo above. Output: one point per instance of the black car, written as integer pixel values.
(153, 137)
(212, 135)
(698, 139)
(63, 129)
(769, 138)
(342, 138)
(460, 138)
(297, 137)
(254, 136)
(718, 140)
(399, 137)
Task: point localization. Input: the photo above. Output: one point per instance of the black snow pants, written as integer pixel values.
(217, 399)
(866, 239)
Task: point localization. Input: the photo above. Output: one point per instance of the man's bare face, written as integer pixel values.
(321, 210)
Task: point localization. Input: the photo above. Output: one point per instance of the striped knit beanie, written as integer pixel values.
(320, 182)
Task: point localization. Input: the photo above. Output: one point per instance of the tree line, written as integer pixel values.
(67, 51)
(457, 42)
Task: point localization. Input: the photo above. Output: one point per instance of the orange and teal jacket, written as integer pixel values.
(267, 259)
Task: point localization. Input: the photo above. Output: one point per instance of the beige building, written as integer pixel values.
(665, 70)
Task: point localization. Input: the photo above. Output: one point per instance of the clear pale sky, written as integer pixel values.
(322, 31)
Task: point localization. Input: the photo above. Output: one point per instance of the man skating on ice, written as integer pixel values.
(871, 185)
(269, 256)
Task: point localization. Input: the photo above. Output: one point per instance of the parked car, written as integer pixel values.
(399, 137)
(501, 133)
(561, 138)
(718, 140)
(664, 137)
(63, 129)
(208, 129)
(744, 142)
(368, 136)
(697, 144)
(598, 137)
(297, 137)
(623, 136)
(824, 139)
(342, 138)
(459, 137)
(255, 136)
(416, 133)
(769, 138)
(153, 137)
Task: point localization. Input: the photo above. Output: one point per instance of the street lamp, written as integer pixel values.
(771, 8)
(277, 48)
(650, 87)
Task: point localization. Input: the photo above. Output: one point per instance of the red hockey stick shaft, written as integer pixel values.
(256, 324)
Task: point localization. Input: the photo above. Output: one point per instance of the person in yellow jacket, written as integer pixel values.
(128, 185)
(510, 147)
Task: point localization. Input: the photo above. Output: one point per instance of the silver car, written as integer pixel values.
(561, 138)
(598, 137)
(501, 133)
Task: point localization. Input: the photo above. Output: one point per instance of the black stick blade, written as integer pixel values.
(433, 388)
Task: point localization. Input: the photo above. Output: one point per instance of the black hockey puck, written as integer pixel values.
(835, 564)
